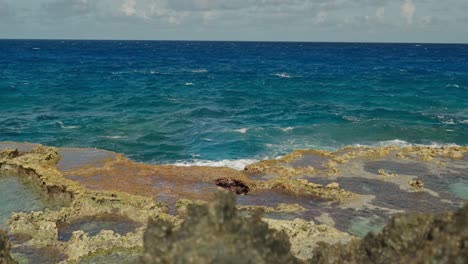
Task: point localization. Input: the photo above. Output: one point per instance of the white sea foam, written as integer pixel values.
(454, 85)
(200, 71)
(352, 118)
(189, 84)
(238, 164)
(115, 137)
(403, 143)
(448, 122)
(283, 75)
(287, 129)
(242, 130)
(66, 127)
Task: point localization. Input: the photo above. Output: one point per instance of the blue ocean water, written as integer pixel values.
(166, 102)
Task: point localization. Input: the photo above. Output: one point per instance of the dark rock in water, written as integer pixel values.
(234, 186)
(412, 238)
(215, 233)
(5, 247)
(416, 183)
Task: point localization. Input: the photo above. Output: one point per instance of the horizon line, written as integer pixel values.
(252, 41)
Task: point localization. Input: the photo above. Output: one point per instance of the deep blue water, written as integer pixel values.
(171, 101)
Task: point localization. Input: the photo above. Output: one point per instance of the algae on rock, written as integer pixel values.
(215, 233)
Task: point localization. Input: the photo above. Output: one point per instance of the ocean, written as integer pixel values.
(230, 103)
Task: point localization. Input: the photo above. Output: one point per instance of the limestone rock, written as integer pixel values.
(413, 238)
(333, 186)
(215, 234)
(416, 183)
(305, 236)
(5, 246)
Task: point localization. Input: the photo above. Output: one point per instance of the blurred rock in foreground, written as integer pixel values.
(5, 246)
(215, 233)
(411, 238)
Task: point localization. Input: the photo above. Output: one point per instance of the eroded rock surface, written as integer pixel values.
(350, 189)
(412, 238)
(215, 234)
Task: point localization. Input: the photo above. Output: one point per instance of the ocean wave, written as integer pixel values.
(450, 121)
(242, 130)
(189, 84)
(403, 143)
(283, 75)
(286, 129)
(199, 71)
(115, 137)
(351, 118)
(66, 127)
(238, 164)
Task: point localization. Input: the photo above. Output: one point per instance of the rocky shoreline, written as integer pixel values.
(98, 203)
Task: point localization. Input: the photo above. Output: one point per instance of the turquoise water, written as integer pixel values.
(167, 102)
(460, 189)
(16, 196)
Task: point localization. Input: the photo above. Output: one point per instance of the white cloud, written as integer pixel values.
(380, 14)
(128, 8)
(320, 18)
(408, 8)
(6, 10)
(69, 8)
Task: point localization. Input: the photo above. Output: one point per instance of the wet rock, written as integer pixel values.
(215, 234)
(234, 186)
(386, 174)
(5, 247)
(304, 236)
(9, 154)
(412, 238)
(418, 184)
(280, 208)
(47, 154)
(333, 186)
(303, 187)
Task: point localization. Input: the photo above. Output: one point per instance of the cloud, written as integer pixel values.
(69, 8)
(320, 18)
(128, 8)
(408, 8)
(380, 14)
(6, 10)
(205, 5)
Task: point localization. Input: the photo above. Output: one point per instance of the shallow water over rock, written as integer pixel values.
(92, 225)
(407, 168)
(306, 160)
(460, 189)
(114, 257)
(32, 255)
(79, 158)
(17, 196)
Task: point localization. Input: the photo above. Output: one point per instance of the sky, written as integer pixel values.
(246, 20)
